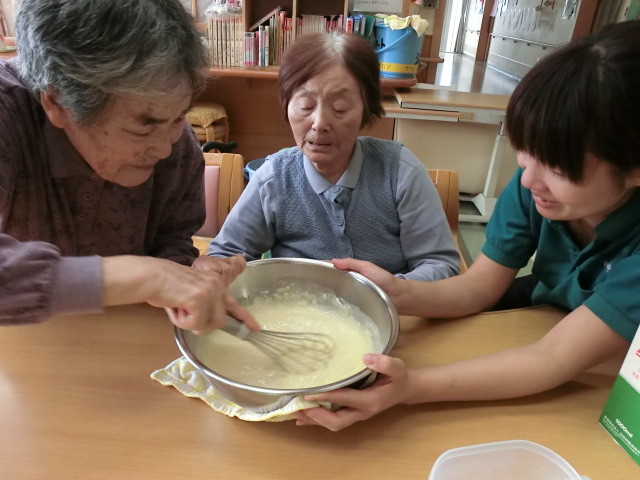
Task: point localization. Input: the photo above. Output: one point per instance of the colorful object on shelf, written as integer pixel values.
(398, 44)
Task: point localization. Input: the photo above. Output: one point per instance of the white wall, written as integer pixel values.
(462, 146)
(530, 27)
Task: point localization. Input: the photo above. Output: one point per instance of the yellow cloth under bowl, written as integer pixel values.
(189, 381)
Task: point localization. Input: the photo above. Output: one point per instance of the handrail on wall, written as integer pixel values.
(528, 42)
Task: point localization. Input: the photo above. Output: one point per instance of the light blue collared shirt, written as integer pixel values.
(426, 239)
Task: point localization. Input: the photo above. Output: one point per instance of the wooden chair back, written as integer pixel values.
(446, 182)
(224, 182)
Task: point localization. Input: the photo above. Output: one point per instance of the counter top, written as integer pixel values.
(76, 402)
(442, 98)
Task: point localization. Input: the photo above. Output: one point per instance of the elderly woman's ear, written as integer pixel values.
(57, 114)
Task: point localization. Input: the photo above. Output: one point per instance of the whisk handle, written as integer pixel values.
(235, 328)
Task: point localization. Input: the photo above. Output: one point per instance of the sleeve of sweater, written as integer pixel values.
(425, 235)
(36, 283)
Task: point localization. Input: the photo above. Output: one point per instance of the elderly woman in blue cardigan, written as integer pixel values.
(335, 194)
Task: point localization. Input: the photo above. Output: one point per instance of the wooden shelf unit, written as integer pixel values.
(271, 73)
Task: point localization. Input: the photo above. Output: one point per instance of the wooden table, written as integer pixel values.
(76, 402)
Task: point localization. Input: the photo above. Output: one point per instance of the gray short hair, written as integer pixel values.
(88, 51)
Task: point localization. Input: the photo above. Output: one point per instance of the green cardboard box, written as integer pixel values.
(621, 414)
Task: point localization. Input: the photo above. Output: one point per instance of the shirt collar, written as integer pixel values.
(349, 178)
(618, 223)
(64, 159)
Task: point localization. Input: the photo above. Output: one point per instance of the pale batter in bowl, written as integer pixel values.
(299, 308)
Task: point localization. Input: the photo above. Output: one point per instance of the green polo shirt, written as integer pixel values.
(604, 276)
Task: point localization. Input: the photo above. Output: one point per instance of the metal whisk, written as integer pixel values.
(296, 353)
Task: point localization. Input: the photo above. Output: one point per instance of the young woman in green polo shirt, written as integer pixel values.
(575, 202)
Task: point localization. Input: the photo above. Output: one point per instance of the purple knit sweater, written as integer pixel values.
(57, 217)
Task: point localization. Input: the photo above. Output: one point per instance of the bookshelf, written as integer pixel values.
(250, 94)
(254, 10)
(259, 33)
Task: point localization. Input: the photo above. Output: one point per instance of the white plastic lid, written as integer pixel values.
(509, 460)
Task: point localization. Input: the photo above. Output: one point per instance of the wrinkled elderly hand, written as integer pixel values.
(390, 388)
(199, 295)
(228, 268)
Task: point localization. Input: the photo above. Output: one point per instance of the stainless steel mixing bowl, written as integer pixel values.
(262, 275)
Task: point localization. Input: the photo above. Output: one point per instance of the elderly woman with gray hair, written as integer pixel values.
(100, 175)
(337, 194)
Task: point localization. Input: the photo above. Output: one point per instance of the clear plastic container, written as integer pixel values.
(509, 460)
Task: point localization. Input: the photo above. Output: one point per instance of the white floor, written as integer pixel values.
(467, 75)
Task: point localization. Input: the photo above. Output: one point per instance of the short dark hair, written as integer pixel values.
(315, 52)
(582, 98)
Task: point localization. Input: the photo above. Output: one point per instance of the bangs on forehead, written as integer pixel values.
(547, 117)
(582, 98)
(555, 140)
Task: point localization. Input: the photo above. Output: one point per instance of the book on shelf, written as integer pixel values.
(239, 34)
(370, 22)
(357, 20)
(287, 27)
(274, 39)
(348, 25)
(265, 53)
(250, 49)
(273, 13)
(273, 36)
(226, 40)
(229, 44)
(263, 45)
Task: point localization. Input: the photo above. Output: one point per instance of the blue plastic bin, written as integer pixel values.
(252, 166)
(398, 51)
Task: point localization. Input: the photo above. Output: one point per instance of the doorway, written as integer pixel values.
(462, 23)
